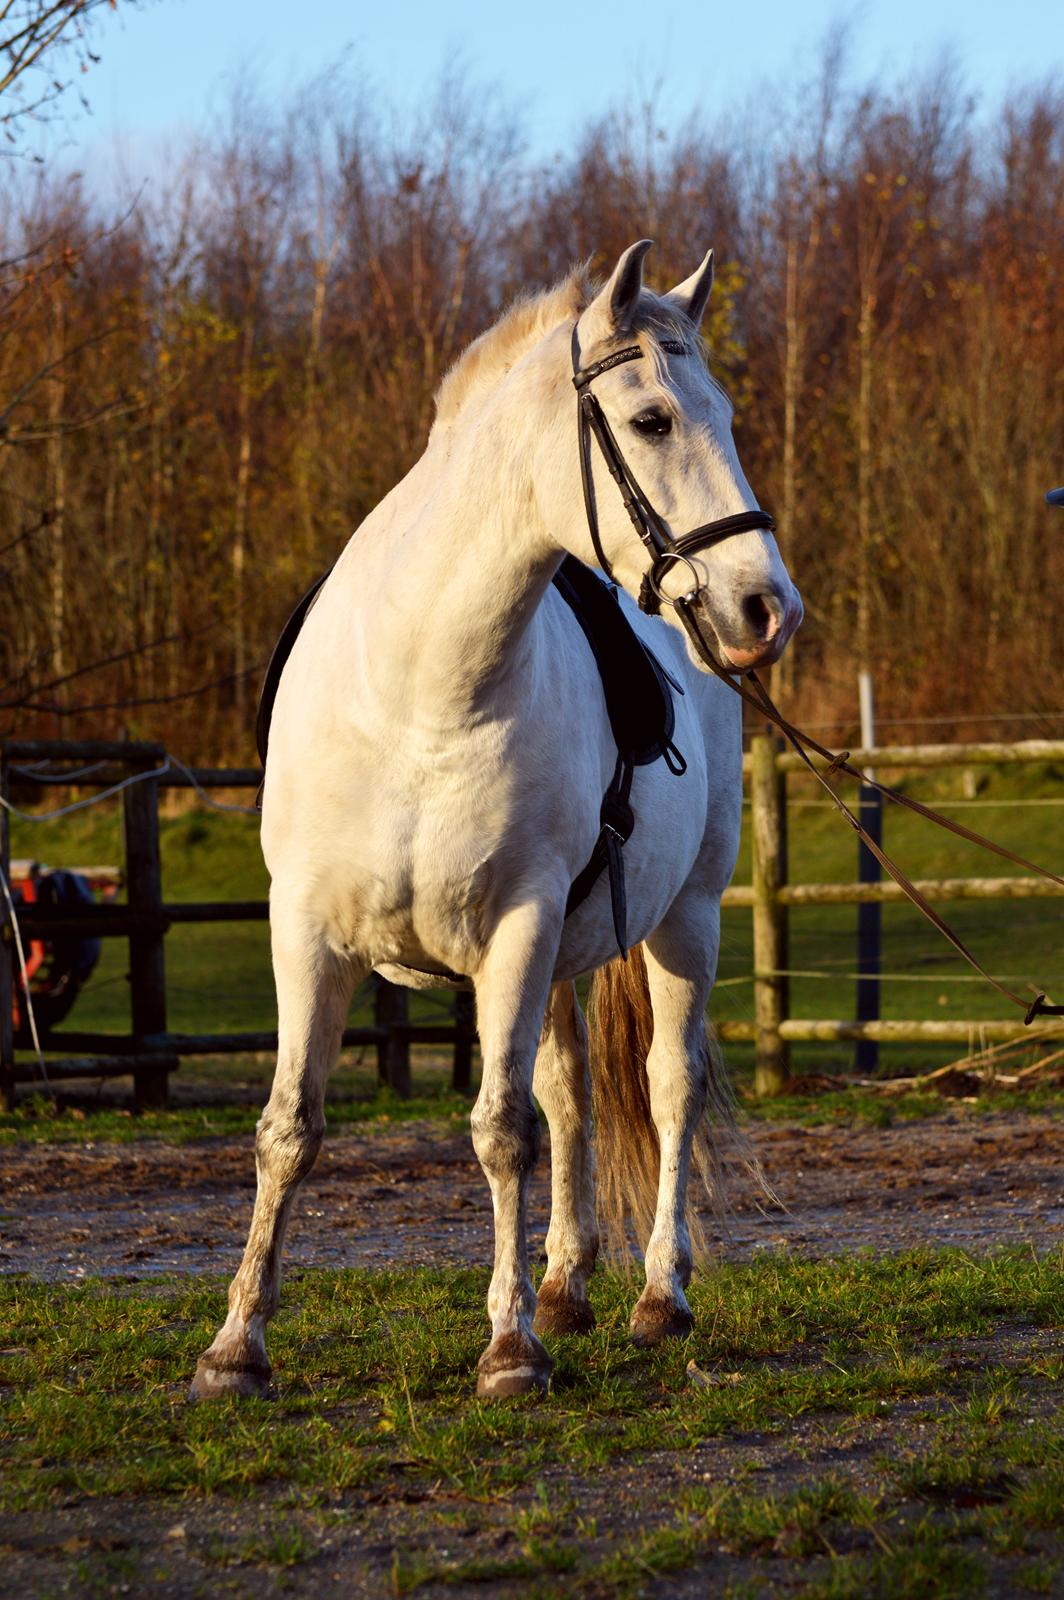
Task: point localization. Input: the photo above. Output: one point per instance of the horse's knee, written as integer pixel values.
(287, 1144)
(506, 1134)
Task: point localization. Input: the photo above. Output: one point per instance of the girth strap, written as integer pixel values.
(618, 821)
(638, 693)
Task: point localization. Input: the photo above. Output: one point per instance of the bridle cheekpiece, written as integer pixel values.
(665, 551)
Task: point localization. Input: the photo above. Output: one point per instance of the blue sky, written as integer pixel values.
(165, 65)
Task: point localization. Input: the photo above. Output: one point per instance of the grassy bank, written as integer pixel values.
(202, 1110)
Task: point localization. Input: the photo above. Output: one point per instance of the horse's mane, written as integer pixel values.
(487, 360)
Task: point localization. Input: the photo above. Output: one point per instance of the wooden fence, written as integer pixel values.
(150, 1052)
(771, 896)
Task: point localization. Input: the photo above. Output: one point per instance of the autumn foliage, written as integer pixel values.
(205, 388)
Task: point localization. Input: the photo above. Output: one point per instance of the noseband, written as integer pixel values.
(665, 551)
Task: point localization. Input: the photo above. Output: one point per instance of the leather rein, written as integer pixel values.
(665, 552)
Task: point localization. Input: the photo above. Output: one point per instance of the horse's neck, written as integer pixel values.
(453, 564)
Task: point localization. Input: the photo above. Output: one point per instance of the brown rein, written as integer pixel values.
(758, 697)
(665, 550)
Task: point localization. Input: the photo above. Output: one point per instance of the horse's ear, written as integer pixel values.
(692, 295)
(613, 307)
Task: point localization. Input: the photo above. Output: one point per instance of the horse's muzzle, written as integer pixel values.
(767, 620)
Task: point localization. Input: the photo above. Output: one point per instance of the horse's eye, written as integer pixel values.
(651, 423)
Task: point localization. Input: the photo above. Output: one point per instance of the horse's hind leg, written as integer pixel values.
(681, 958)
(562, 1086)
(313, 993)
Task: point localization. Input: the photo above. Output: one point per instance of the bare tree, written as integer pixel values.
(40, 42)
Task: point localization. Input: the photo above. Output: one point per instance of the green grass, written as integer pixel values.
(38, 1120)
(355, 1097)
(847, 1106)
(218, 975)
(949, 1455)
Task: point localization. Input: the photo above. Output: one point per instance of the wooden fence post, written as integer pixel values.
(465, 1023)
(768, 803)
(147, 965)
(393, 1052)
(7, 958)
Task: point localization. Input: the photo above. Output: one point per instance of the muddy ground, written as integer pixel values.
(414, 1194)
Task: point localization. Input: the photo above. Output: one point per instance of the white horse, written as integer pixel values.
(438, 755)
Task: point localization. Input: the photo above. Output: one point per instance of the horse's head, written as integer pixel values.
(671, 424)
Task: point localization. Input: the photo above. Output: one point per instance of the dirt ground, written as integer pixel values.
(414, 1194)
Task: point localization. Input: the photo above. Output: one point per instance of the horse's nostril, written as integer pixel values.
(763, 613)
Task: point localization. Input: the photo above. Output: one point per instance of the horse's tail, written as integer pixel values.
(626, 1141)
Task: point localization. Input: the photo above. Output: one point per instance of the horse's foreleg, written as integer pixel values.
(313, 993)
(512, 989)
(681, 960)
(563, 1088)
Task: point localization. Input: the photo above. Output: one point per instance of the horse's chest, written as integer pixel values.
(412, 863)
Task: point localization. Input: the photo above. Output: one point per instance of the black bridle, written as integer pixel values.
(665, 551)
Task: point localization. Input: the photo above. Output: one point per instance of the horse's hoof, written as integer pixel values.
(655, 1319)
(558, 1312)
(216, 1379)
(513, 1365)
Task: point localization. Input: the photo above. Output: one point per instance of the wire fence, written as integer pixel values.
(774, 895)
(772, 1027)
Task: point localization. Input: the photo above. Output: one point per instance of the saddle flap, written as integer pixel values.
(276, 664)
(637, 687)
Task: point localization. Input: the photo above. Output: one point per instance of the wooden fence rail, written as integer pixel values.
(771, 895)
(150, 1051)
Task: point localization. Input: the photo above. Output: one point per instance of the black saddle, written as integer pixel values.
(638, 693)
